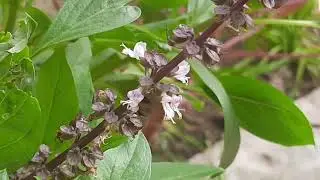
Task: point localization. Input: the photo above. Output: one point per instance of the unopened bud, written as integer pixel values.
(210, 57)
(154, 60)
(268, 3)
(82, 126)
(74, 156)
(99, 107)
(110, 117)
(67, 133)
(42, 155)
(182, 35)
(146, 81)
(106, 96)
(192, 48)
(67, 170)
(222, 10)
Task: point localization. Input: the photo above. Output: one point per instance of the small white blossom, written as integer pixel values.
(135, 97)
(138, 52)
(171, 105)
(183, 70)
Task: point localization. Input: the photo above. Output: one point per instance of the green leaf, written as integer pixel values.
(152, 10)
(267, 112)
(78, 56)
(120, 82)
(42, 20)
(158, 5)
(80, 18)
(5, 44)
(105, 62)
(114, 141)
(22, 34)
(57, 96)
(182, 171)
(21, 128)
(131, 160)
(4, 13)
(199, 11)
(231, 130)
(129, 35)
(4, 175)
(13, 7)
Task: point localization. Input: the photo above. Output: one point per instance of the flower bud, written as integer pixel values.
(106, 96)
(43, 172)
(110, 117)
(222, 10)
(192, 48)
(82, 126)
(154, 60)
(240, 19)
(182, 35)
(42, 155)
(67, 133)
(136, 122)
(74, 156)
(97, 152)
(172, 89)
(268, 3)
(99, 107)
(67, 170)
(210, 57)
(25, 172)
(88, 159)
(146, 81)
(129, 129)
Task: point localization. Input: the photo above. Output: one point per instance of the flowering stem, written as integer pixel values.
(121, 110)
(200, 40)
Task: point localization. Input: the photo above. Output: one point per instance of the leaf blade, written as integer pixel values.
(78, 56)
(21, 128)
(272, 116)
(131, 160)
(231, 133)
(176, 171)
(83, 18)
(57, 96)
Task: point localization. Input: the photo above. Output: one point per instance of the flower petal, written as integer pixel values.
(139, 49)
(129, 52)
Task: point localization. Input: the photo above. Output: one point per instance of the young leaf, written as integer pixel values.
(78, 56)
(131, 160)
(56, 94)
(83, 18)
(266, 112)
(21, 128)
(231, 133)
(4, 175)
(182, 171)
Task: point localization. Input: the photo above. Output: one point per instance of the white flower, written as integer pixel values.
(170, 105)
(135, 97)
(138, 51)
(183, 70)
